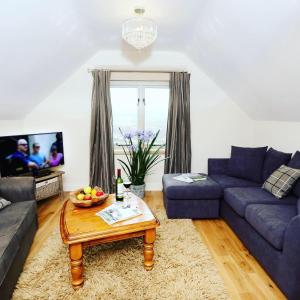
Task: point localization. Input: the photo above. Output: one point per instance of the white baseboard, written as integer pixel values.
(69, 188)
(153, 186)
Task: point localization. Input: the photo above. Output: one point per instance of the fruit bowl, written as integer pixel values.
(88, 197)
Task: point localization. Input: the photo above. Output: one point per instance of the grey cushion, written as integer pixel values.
(240, 198)
(271, 221)
(14, 223)
(226, 181)
(4, 203)
(281, 181)
(177, 190)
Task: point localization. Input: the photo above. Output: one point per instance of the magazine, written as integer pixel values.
(118, 212)
(190, 177)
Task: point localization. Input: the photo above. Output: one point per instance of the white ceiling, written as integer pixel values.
(251, 48)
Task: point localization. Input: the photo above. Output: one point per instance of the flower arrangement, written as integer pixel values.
(141, 154)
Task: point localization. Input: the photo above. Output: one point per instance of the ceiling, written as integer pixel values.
(249, 48)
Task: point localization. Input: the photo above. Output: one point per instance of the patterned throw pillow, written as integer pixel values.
(4, 203)
(281, 181)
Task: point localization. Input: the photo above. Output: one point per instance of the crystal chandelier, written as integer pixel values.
(139, 31)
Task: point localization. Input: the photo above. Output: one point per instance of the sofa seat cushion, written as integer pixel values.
(270, 221)
(177, 190)
(226, 181)
(240, 198)
(14, 223)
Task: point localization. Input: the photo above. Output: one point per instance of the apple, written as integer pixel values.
(80, 196)
(94, 192)
(87, 197)
(99, 193)
(87, 190)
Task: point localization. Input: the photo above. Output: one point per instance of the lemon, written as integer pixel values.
(80, 196)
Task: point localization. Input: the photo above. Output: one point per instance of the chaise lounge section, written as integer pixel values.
(197, 201)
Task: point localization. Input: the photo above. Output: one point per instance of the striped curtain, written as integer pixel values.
(178, 139)
(101, 135)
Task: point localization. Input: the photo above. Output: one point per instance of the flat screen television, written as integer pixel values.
(30, 154)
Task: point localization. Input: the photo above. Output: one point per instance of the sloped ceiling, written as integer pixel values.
(250, 48)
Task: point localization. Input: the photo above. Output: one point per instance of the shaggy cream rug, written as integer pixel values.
(183, 269)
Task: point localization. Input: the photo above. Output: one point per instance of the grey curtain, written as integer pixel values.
(178, 139)
(101, 136)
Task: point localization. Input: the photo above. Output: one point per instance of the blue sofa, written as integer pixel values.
(268, 227)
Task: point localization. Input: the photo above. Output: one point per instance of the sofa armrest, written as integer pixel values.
(17, 189)
(290, 259)
(218, 166)
(291, 236)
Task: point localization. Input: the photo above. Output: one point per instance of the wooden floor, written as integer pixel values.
(243, 276)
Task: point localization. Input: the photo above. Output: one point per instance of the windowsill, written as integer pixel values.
(118, 151)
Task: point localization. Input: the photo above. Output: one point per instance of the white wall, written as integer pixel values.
(216, 121)
(282, 136)
(11, 127)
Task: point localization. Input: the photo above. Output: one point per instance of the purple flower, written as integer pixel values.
(142, 135)
(146, 135)
(129, 135)
(139, 133)
(149, 134)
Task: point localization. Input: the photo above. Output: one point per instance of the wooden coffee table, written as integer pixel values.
(81, 228)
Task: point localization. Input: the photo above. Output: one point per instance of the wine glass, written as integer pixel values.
(127, 185)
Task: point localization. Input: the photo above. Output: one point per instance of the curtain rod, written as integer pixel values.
(137, 71)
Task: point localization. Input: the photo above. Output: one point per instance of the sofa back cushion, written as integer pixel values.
(295, 163)
(247, 163)
(273, 160)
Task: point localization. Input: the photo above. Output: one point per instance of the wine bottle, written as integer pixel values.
(119, 187)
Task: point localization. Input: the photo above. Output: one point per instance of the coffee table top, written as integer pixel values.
(82, 224)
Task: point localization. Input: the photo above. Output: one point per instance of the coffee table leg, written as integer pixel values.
(76, 265)
(149, 239)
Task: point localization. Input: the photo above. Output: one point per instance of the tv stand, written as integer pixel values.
(42, 173)
(49, 185)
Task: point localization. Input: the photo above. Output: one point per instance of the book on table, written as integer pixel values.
(190, 177)
(118, 212)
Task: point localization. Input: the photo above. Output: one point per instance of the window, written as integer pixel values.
(140, 105)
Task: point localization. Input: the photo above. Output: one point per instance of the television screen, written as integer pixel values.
(30, 153)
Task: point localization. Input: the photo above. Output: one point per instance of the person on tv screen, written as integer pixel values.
(55, 157)
(37, 157)
(19, 159)
(59, 145)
